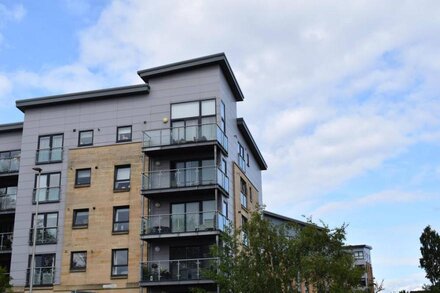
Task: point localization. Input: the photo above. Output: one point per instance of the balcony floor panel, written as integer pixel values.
(179, 235)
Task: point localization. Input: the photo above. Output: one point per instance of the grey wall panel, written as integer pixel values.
(10, 141)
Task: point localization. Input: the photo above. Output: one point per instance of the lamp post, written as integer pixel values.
(34, 236)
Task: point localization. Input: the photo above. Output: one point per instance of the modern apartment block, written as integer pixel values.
(362, 257)
(133, 184)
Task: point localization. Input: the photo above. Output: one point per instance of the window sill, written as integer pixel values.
(77, 270)
(120, 232)
(119, 277)
(80, 227)
(121, 190)
(81, 185)
(46, 202)
(122, 141)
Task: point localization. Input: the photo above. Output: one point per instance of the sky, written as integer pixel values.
(342, 97)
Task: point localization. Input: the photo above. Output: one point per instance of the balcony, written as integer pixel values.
(45, 235)
(46, 195)
(43, 276)
(185, 136)
(7, 202)
(184, 179)
(177, 272)
(188, 224)
(52, 155)
(9, 162)
(6, 241)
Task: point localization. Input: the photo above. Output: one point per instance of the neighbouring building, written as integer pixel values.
(132, 183)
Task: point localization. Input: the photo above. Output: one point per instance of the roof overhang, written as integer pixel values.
(244, 130)
(216, 59)
(11, 127)
(83, 96)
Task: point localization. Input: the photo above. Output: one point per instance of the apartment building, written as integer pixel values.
(362, 258)
(132, 184)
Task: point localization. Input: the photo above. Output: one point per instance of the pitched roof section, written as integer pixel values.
(83, 96)
(216, 59)
(10, 127)
(251, 143)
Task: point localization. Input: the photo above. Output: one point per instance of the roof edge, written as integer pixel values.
(251, 142)
(10, 127)
(275, 215)
(215, 59)
(80, 96)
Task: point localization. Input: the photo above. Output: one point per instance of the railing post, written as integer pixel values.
(198, 269)
(178, 270)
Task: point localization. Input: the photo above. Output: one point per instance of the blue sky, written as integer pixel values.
(343, 98)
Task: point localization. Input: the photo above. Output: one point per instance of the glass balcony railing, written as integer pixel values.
(177, 270)
(52, 155)
(42, 276)
(6, 241)
(181, 223)
(7, 201)
(185, 177)
(45, 235)
(185, 134)
(47, 194)
(9, 162)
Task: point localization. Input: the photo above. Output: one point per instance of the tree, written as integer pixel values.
(272, 262)
(430, 261)
(4, 281)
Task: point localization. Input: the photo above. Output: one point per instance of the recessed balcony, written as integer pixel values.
(6, 241)
(183, 225)
(9, 162)
(7, 202)
(185, 136)
(177, 272)
(184, 179)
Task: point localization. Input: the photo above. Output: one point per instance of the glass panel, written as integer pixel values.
(184, 110)
(191, 130)
(86, 138)
(122, 215)
(44, 142)
(79, 260)
(178, 132)
(43, 180)
(208, 172)
(56, 154)
(208, 107)
(123, 173)
(124, 133)
(43, 155)
(192, 216)
(178, 217)
(83, 177)
(54, 194)
(191, 173)
(81, 218)
(208, 214)
(120, 257)
(57, 141)
(54, 180)
(52, 220)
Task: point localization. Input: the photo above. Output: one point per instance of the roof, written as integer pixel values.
(83, 96)
(216, 59)
(284, 218)
(358, 246)
(10, 127)
(251, 143)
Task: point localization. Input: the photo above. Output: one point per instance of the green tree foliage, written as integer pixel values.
(4, 281)
(272, 262)
(430, 261)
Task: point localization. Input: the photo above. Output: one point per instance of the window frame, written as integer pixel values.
(78, 269)
(115, 209)
(222, 116)
(47, 187)
(114, 251)
(37, 256)
(44, 227)
(243, 193)
(115, 179)
(75, 214)
(124, 140)
(79, 137)
(77, 184)
(51, 148)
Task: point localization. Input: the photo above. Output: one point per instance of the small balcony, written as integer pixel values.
(188, 224)
(7, 202)
(185, 136)
(184, 179)
(45, 235)
(46, 194)
(6, 241)
(177, 272)
(47, 156)
(9, 162)
(43, 276)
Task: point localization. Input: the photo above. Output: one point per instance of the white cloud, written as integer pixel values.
(8, 14)
(408, 282)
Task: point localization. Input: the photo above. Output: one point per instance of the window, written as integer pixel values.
(85, 138)
(243, 195)
(44, 272)
(78, 261)
(9, 161)
(358, 255)
(192, 173)
(82, 177)
(193, 216)
(244, 235)
(241, 160)
(247, 159)
(225, 209)
(123, 133)
(119, 262)
(122, 178)
(8, 196)
(222, 117)
(251, 198)
(47, 228)
(80, 218)
(49, 188)
(50, 149)
(121, 217)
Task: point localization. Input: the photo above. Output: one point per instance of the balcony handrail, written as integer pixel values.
(53, 148)
(186, 126)
(179, 169)
(7, 194)
(183, 214)
(180, 260)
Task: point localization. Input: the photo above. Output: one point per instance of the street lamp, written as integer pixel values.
(34, 236)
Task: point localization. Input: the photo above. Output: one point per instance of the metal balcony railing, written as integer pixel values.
(6, 241)
(177, 270)
(7, 201)
(181, 223)
(185, 134)
(42, 276)
(52, 155)
(185, 177)
(46, 194)
(45, 235)
(10, 163)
